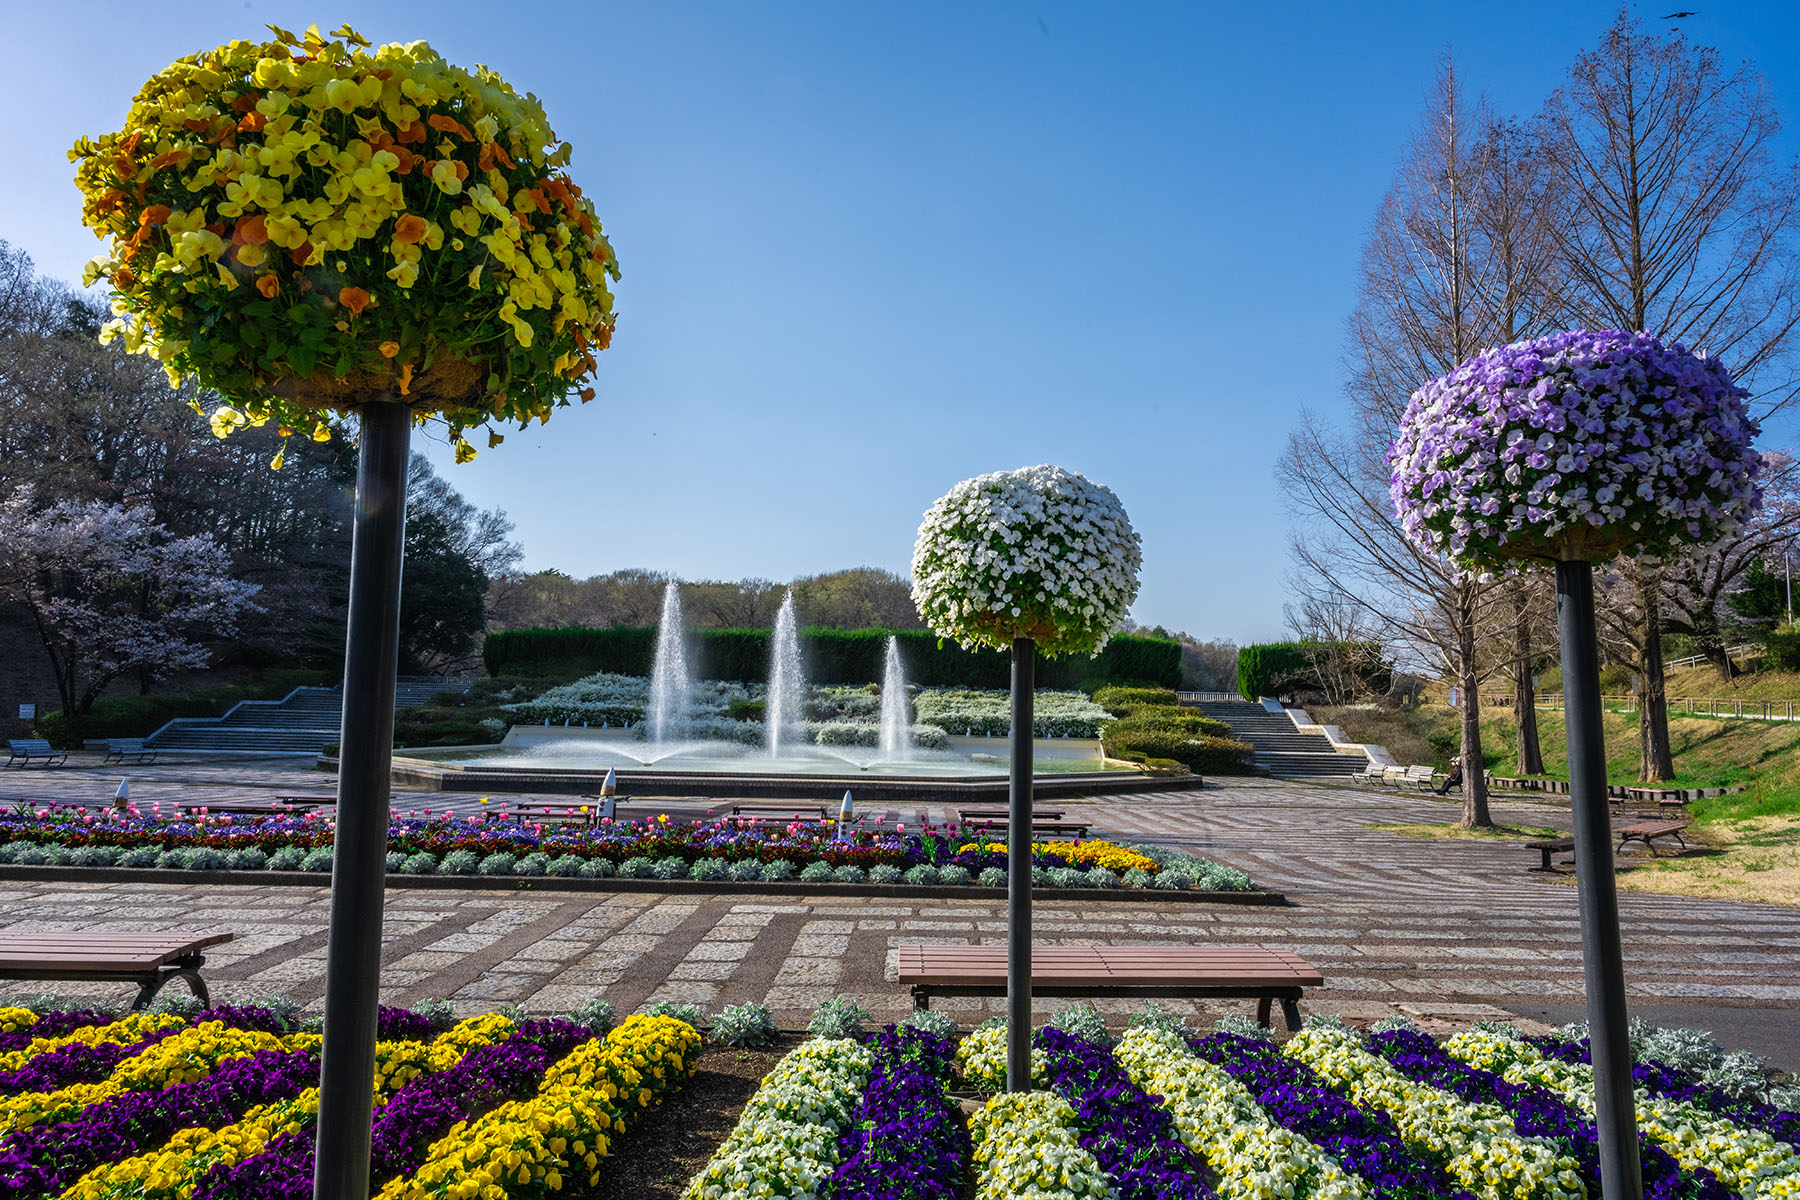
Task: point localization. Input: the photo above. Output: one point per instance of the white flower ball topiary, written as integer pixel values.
(1040, 553)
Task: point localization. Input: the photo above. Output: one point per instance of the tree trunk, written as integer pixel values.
(1474, 780)
(1655, 762)
(1531, 757)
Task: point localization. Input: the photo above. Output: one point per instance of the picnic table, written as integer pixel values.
(1266, 974)
(1648, 831)
(147, 959)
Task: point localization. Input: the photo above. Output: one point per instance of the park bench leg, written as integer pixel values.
(152, 984)
(1290, 1012)
(1262, 1011)
(1545, 866)
(921, 998)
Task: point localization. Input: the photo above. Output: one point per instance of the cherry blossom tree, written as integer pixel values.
(110, 592)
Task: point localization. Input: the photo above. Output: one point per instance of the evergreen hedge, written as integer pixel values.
(833, 656)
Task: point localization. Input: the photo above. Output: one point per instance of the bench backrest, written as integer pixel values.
(31, 746)
(124, 743)
(1417, 773)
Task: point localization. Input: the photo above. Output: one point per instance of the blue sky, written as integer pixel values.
(870, 249)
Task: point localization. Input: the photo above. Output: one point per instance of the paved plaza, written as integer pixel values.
(1436, 928)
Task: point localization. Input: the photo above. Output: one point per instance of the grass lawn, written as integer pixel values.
(1497, 833)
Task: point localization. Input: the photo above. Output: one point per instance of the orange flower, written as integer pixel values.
(587, 394)
(415, 132)
(410, 228)
(251, 231)
(243, 104)
(353, 298)
(253, 122)
(268, 285)
(123, 277)
(156, 214)
(195, 125)
(406, 380)
(490, 152)
(445, 124)
(299, 254)
(389, 349)
(407, 159)
(173, 156)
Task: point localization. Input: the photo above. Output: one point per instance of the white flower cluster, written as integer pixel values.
(1215, 1115)
(1746, 1160)
(981, 1057)
(1025, 1146)
(1039, 552)
(786, 1143)
(1475, 1142)
(989, 714)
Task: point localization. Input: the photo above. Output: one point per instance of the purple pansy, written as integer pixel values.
(1520, 451)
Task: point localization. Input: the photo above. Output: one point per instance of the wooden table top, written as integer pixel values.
(99, 950)
(1103, 966)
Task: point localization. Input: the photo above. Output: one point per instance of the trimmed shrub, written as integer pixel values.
(288, 858)
(1203, 756)
(422, 863)
(1121, 700)
(1171, 721)
(459, 862)
(746, 1025)
(1271, 668)
(838, 1017)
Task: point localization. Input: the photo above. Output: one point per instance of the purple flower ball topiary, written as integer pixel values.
(1582, 445)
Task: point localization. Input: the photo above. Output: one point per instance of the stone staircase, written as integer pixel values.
(1281, 749)
(301, 722)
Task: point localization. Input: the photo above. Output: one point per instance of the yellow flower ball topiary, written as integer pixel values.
(308, 224)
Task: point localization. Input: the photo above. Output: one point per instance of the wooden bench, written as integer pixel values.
(1648, 831)
(1373, 773)
(146, 959)
(1225, 971)
(560, 812)
(976, 816)
(778, 814)
(120, 749)
(1051, 829)
(23, 751)
(1549, 846)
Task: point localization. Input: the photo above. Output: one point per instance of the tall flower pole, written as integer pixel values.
(1027, 560)
(1574, 449)
(312, 226)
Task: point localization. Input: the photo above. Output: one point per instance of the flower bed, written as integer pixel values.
(222, 1105)
(492, 845)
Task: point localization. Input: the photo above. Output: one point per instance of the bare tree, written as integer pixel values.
(1696, 587)
(1455, 260)
(1340, 640)
(1680, 223)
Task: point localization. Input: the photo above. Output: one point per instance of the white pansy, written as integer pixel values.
(1040, 552)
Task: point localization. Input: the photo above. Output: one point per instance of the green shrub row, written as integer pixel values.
(1202, 755)
(137, 716)
(1281, 668)
(1121, 700)
(1171, 721)
(833, 656)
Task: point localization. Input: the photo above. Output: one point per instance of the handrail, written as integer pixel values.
(1731, 652)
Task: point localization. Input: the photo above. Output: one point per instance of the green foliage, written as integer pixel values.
(1121, 700)
(441, 594)
(598, 1015)
(746, 1025)
(138, 716)
(839, 1017)
(1271, 668)
(833, 656)
(1282, 668)
(1784, 649)
(747, 710)
(1173, 721)
(1201, 755)
(1760, 602)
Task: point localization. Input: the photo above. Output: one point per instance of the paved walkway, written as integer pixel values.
(1442, 928)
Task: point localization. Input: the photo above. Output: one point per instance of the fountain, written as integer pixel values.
(896, 725)
(667, 709)
(784, 703)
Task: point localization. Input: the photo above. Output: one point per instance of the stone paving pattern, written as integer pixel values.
(1433, 928)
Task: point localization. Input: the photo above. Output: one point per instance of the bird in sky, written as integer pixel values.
(1676, 16)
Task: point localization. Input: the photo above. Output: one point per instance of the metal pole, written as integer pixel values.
(1603, 962)
(1018, 871)
(365, 753)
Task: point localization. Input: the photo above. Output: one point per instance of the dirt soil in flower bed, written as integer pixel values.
(667, 1147)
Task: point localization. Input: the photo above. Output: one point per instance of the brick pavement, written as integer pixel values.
(1425, 927)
